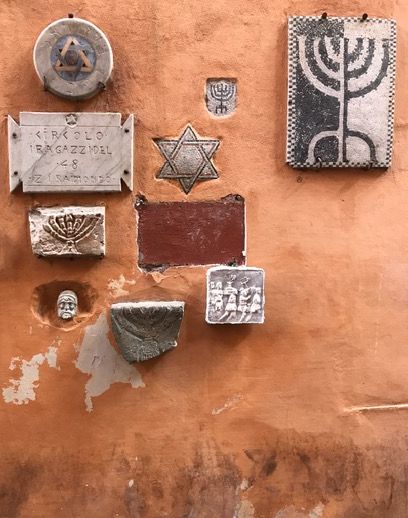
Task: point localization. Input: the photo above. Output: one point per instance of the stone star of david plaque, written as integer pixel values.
(73, 58)
(67, 231)
(70, 152)
(235, 295)
(188, 159)
(341, 92)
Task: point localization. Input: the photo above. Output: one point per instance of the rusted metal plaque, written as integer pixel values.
(69, 152)
(199, 233)
(341, 92)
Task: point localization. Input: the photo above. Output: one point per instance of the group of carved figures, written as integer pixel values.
(227, 302)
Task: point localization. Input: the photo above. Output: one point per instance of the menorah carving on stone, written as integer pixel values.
(71, 228)
(68, 231)
(341, 86)
(221, 96)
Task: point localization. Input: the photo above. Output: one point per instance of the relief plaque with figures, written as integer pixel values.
(70, 152)
(235, 295)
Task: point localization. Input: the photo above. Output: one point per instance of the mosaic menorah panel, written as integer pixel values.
(341, 92)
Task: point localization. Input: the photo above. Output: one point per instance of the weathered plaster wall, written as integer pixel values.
(305, 416)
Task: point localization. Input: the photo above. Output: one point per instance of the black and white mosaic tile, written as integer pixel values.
(341, 92)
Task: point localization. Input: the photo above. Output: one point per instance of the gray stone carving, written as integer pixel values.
(67, 305)
(145, 330)
(70, 152)
(188, 158)
(235, 295)
(341, 92)
(221, 96)
(73, 58)
(67, 231)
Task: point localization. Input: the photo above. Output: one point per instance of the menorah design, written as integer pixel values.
(222, 92)
(343, 68)
(70, 229)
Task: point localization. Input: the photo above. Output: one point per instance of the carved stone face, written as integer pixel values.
(67, 305)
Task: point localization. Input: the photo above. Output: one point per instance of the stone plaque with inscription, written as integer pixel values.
(70, 152)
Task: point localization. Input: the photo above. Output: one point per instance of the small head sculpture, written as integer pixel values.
(67, 305)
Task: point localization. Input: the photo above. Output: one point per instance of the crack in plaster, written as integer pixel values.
(376, 408)
(106, 366)
(292, 512)
(21, 390)
(231, 403)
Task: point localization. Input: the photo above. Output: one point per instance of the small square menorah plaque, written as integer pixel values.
(341, 92)
(221, 96)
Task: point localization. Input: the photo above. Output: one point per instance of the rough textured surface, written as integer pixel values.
(235, 295)
(197, 233)
(67, 231)
(301, 415)
(73, 58)
(145, 330)
(70, 152)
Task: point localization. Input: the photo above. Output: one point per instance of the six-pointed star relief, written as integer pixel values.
(73, 58)
(188, 159)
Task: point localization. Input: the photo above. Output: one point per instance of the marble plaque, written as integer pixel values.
(145, 330)
(73, 58)
(67, 231)
(221, 96)
(235, 295)
(341, 92)
(70, 152)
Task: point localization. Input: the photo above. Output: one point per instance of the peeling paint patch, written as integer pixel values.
(98, 358)
(244, 510)
(21, 391)
(230, 403)
(292, 512)
(115, 286)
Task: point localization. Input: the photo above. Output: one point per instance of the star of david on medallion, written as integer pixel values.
(73, 57)
(188, 159)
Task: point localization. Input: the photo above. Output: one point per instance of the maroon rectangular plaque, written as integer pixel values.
(191, 233)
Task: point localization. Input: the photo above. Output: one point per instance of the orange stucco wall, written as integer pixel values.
(279, 420)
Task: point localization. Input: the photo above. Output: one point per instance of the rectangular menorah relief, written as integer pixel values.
(70, 152)
(67, 231)
(341, 92)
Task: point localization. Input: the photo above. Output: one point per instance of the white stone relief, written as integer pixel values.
(235, 295)
(67, 305)
(67, 231)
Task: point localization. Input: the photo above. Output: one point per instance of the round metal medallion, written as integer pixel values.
(73, 58)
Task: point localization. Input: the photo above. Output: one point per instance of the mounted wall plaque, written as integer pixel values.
(145, 330)
(67, 231)
(235, 295)
(70, 152)
(341, 92)
(73, 58)
(196, 233)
